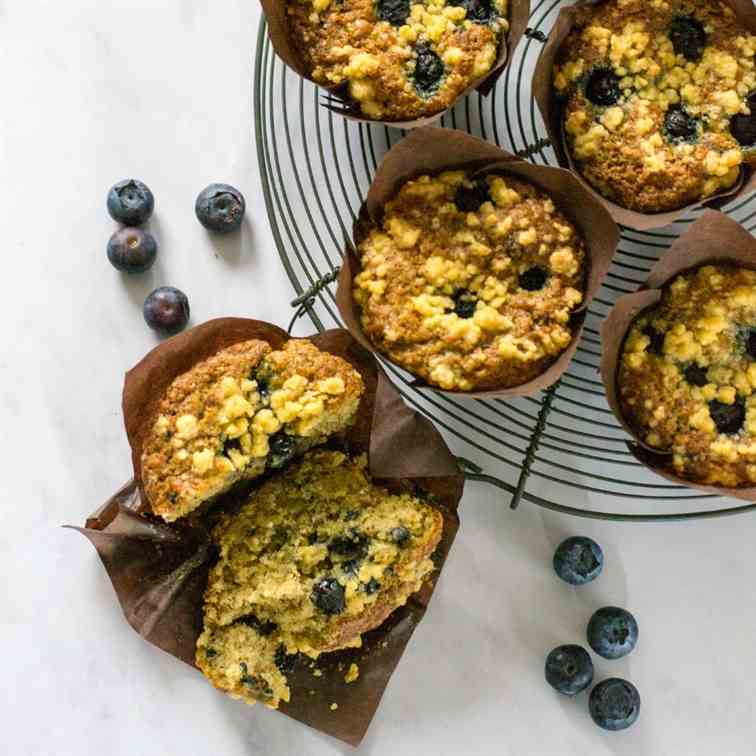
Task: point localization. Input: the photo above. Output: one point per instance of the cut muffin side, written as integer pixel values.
(245, 410)
(317, 557)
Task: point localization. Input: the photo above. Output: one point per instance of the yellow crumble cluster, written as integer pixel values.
(687, 378)
(471, 284)
(650, 91)
(398, 59)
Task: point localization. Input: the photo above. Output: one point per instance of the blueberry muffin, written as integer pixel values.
(245, 410)
(470, 284)
(399, 60)
(659, 100)
(687, 375)
(318, 556)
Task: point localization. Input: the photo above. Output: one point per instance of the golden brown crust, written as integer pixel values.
(623, 146)
(688, 372)
(471, 285)
(346, 43)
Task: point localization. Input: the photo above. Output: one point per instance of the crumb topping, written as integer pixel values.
(658, 97)
(471, 284)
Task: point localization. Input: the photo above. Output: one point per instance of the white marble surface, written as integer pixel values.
(94, 91)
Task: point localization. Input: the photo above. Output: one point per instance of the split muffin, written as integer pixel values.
(687, 375)
(318, 556)
(243, 411)
(470, 283)
(659, 100)
(399, 59)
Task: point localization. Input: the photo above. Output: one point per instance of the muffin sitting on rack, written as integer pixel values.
(470, 283)
(318, 556)
(397, 59)
(659, 100)
(239, 413)
(687, 376)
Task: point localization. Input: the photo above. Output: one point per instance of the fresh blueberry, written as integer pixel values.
(614, 704)
(743, 127)
(603, 87)
(695, 374)
(688, 37)
(728, 418)
(656, 341)
(533, 279)
(130, 202)
(679, 125)
(220, 208)
(578, 560)
(285, 662)
(569, 669)
(132, 250)
(429, 70)
(395, 12)
(400, 535)
(328, 596)
(166, 310)
(478, 11)
(282, 448)
(465, 303)
(468, 199)
(372, 586)
(612, 632)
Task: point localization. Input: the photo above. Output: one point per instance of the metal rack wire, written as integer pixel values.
(562, 450)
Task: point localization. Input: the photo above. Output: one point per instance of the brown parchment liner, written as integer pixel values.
(432, 150)
(285, 47)
(713, 238)
(159, 571)
(551, 111)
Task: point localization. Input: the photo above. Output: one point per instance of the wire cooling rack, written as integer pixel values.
(563, 449)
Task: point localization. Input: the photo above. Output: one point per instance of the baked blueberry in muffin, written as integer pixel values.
(687, 375)
(658, 100)
(310, 563)
(243, 411)
(397, 59)
(470, 283)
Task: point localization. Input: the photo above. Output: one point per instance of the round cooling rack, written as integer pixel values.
(562, 450)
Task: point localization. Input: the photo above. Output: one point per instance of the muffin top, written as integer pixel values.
(399, 60)
(470, 284)
(660, 100)
(688, 372)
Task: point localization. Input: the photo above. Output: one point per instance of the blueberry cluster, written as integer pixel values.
(612, 633)
(219, 208)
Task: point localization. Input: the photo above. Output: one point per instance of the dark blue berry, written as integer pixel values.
(328, 596)
(394, 12)
(220, 208)
(569, 669)
(429, 70)
(695, 375)
(400, 535)
(285, 662)
(132, 250)
(679, 125)
(465, 303)
(478, 11)
(614, 704)
(469, 198)
(130, 202)
(578, 560)
(728, 418)
(372, 586)
(282, 448)
(533, 279)
(166, 310)
(656, 341)
(612, 632)
(352, 546)
(261, 627)
(603, 87)
(688, 37)
(743, 127)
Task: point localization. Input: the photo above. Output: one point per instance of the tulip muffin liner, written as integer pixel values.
(433, 150)
(712, 239)
(552, 113)
(286, 49)
(159, 571)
